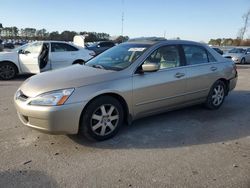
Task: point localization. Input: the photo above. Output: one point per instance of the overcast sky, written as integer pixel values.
(197, 20)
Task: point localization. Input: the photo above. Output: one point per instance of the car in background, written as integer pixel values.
(239, 55)
(1, 45)
(99, 47)
(129, 81)
(9, 45)
(41, 56)
(218, 50)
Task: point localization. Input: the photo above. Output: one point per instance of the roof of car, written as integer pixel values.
(159, 40)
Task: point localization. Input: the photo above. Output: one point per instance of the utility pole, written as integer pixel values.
(122, 16)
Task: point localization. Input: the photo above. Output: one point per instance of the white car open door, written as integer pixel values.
(29, 58)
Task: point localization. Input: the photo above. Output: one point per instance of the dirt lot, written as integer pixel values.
(192, 147)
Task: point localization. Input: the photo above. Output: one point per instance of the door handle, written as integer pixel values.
(213, 68)
(179, 75)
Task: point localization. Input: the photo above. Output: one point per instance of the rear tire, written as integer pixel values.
(7, 71)
(102, 118)
(216, 95)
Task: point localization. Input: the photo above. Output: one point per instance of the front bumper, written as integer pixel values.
(50, 119)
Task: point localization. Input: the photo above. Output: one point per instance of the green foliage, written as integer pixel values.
(229, 42)
(121, 39)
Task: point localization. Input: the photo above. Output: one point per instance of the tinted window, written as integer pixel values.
(167, 57)
(61, 47)
(195, 55)
(210, 57)
(106, 44)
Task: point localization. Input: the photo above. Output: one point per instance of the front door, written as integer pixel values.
(29, 58)
(165, 88)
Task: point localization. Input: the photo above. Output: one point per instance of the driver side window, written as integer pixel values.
(166, 57)
(33, 48)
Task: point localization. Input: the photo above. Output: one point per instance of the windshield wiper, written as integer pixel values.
(98, 66)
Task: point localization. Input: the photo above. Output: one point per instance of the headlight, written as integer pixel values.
(235, 58)
(54, 98)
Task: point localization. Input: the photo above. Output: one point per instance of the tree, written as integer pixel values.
(68, 35)
(41, 34)
(54, 35)
(242, 31)
(121, 39)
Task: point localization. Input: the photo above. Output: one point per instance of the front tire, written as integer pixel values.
(243, 61)
(7, 71)
(102, 118)
(216, 95)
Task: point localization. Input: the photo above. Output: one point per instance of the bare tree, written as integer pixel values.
(242, 31)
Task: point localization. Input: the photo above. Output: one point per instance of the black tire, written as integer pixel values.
(81, 62)
(89, 122)
(8, 71)
(212, 96)
(243, 61)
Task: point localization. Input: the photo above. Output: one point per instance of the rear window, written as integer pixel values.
(197, 55)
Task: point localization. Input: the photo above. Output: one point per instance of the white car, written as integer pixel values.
(41, 56)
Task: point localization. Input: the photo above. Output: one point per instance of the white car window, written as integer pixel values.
(61, 47)
(33, 48)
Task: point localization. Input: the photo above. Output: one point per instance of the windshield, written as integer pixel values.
(237, 50)
(119, 57)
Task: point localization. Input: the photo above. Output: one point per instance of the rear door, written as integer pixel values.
(62, 55)
(29, 58)
(156, 91)
(202, 71)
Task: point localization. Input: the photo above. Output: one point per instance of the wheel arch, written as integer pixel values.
(120, 99)
(226, 82)
(7, 61)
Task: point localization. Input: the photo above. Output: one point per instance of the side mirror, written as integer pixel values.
(21, 51)
(150, 67)
(26, 52)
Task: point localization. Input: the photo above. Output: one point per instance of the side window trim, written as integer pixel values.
(201, 47)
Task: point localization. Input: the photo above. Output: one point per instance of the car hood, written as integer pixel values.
(69, 77)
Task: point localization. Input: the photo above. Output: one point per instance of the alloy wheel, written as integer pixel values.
(104, 120)
(7, 71)
(218, 95)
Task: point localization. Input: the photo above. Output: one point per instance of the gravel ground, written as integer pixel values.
(192, 147)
